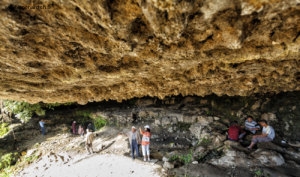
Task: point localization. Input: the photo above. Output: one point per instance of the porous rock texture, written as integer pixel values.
(92, 50)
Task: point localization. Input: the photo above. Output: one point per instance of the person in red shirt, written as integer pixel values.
(146, 142)
(235, 132)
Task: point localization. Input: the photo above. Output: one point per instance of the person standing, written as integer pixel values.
(146, 142)
(89, 141)
(251, 125)
(81, 130)
(74, 127)
(42, 125)
(134, 141)
(268, 134)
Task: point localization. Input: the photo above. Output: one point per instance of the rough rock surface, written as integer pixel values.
(81, 51)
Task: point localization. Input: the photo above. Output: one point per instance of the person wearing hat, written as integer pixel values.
(146, 142)
(134, 141)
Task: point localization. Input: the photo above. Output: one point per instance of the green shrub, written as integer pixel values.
(6, 172)
(8, 159)
(99, 122)
(183, 158)
(3, 129)
(187, 158)
(23, 110)
(86, 116)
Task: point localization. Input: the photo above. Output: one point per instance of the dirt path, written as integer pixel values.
(64, 155)
(92, 166)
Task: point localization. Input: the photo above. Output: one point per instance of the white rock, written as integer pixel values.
(269, 158)
(195, 162)
(269, 117)
(168, 165)
(165, 159)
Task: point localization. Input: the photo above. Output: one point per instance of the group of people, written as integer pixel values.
(237, 133)
(135, 141)
(80, 129)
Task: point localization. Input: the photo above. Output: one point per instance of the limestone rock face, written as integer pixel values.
(89, 50)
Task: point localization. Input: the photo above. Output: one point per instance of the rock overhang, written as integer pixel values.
(84, 51)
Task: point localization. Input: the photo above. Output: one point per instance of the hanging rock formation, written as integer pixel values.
(83, 51)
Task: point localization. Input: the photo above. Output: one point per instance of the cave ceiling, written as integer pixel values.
(93, 50)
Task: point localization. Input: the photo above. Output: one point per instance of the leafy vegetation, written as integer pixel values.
(258, 173)
(86, 116)
(23, 110)
(6, 172)
(99, 122)
(183, 158)
(8, 159)
(3, 129)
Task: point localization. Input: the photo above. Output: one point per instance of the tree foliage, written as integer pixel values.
(23, 110)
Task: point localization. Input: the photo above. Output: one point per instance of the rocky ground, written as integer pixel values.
(188, 138)
(63, 154)
(60, 153)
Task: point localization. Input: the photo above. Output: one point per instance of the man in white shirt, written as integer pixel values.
(268, 134)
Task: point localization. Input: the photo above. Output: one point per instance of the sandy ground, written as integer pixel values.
(93, 166)
(63, 155)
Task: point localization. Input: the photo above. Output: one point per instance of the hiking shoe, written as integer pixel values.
(145, 160)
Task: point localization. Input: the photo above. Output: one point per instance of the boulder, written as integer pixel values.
(168, 165)
(268, 158)
(232, 158)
